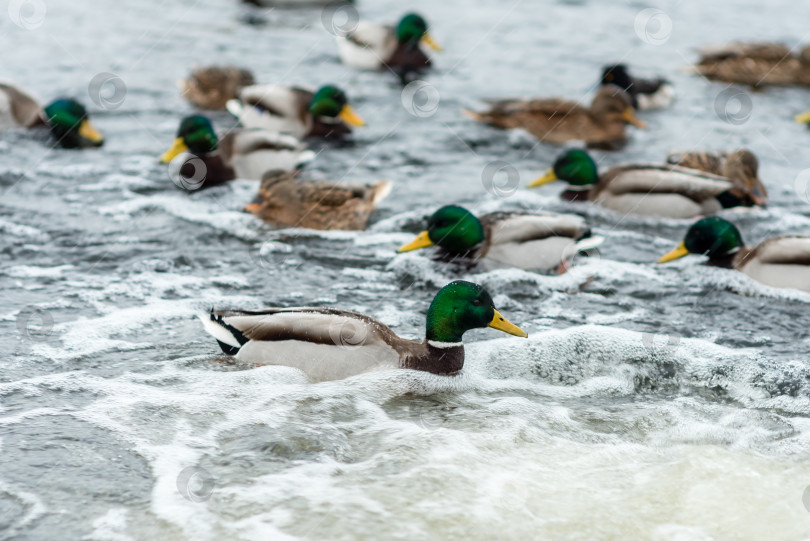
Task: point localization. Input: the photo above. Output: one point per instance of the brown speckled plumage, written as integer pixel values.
(285, 202)
(740, 166)
(558, 121)
(755, 64)
(213, 86)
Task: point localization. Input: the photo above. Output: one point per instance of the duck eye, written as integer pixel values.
(476, 302)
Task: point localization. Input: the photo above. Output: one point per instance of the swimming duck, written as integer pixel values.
(211, 87)
(527, 241)
(239, 154)
(285, 202)
(376, 46)
(66, 118)
(645, 93)
(558, 121)
(755, 64)
(740, 166)
(647, 189)
(329, 344)
(296, 111)
(777, 262)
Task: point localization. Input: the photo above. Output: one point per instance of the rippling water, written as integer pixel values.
(648, 403)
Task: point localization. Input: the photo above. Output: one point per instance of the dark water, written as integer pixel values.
(649, 402)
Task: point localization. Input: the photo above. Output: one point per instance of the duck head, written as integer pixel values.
(452, 227)
(461, 306)
(70, 125)
(713, 237)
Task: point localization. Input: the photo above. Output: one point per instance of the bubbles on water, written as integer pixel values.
(653, 26)
(421, 99)
(195, 484)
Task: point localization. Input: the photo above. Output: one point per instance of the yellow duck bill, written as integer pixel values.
(679, 252)
(422, 240)
(547, 178)
(87, 131)
(502, 324)
(629, 116)
(351, 118)
(430, 42)
(803, 118)
(178, 147)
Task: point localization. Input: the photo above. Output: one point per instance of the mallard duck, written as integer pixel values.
(647, 189)
(296, 111)
(558, 121)
(328, 344)
(211, 87)
(376, 46)
(740, 166)
(282, 201)
(778, 262)
(244, 154)
(66, 118)
(645, 93)
(527, 241)
(755, 64)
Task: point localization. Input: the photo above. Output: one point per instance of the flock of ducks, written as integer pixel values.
(329, 344)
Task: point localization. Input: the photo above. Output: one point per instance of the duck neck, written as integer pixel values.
(441, 358)
(576, 193)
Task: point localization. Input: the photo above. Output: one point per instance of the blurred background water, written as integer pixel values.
(649, 402)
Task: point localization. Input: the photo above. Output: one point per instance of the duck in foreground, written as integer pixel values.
(376, 46)
(527, 241)
(558, 121)
(777, 262)
(66, 118)
(645, 93)
(283, 201)
(755, 64)
(664, 190)
(297, 111)
(328, 344)
(244, 154)
(211, 87)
